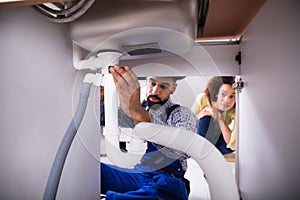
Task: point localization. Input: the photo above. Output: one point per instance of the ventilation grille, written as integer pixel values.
(142, 49)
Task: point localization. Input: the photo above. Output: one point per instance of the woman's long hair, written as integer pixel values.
(214, 84)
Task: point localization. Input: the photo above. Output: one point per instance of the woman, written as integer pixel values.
(215, 110)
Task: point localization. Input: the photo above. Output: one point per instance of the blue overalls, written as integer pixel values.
(206, 128)
(156, 177)
(165, 181)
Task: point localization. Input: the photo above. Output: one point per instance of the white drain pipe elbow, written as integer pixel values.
(102, 59)
(218, 173)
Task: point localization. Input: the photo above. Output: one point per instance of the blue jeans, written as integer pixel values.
(126, 184)
(206, 128)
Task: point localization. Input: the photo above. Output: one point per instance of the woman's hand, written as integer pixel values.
(209, 111)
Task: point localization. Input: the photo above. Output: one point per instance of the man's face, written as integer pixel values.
(159, 89)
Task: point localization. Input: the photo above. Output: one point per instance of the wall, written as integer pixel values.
(36, 81)
(270, 111)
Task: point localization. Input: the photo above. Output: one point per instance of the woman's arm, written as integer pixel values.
(226, 131)
(213, 112)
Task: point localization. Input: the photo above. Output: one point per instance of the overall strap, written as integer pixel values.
(158, 160)
(170, 109)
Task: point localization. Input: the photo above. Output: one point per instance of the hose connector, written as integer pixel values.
(94, 79)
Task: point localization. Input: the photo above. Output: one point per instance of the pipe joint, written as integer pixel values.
(95, 79)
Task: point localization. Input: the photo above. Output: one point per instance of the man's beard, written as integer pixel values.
(155, 105)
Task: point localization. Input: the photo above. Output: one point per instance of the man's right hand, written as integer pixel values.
(128, 88)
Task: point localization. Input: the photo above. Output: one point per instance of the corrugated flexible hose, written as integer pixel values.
(62, 152)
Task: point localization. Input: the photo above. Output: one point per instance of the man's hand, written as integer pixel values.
(128, 88)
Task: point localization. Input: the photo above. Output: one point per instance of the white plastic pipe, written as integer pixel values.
(218, 173)
(111, 131)
(101, 60)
